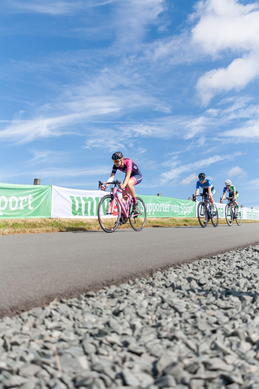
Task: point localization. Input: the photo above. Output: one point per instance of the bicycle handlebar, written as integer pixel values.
(197, 196)
(110, 183)
(227, 198)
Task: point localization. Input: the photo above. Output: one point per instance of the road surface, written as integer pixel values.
(37, 268)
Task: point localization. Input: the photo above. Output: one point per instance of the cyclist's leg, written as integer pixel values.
(237, 194)
(134, 180)
(213, 191)
(205, 195)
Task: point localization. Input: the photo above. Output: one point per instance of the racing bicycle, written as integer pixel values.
(231, 212)
(206, 212)
(113, 210)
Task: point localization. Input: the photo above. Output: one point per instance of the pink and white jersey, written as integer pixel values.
(129, 165)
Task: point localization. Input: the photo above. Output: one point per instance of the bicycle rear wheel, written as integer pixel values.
(238, 218)
(229, 214)
(202, 214)
(109, 212)
(214, 217)
(138, 220)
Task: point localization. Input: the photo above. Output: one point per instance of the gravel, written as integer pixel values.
(194, 326)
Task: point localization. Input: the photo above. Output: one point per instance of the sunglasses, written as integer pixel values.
(116, 160)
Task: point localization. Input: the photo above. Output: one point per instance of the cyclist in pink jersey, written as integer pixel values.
(133, 175)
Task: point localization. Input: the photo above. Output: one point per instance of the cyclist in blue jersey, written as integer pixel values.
(208, 188)
(133, 175)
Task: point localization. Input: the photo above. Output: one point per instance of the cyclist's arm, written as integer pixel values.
(223, 196)
(196, 193)
(235, 196)
(110, 179)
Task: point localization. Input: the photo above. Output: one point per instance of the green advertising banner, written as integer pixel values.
(25, 201)
(168, 207)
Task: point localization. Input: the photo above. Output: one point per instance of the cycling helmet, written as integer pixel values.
(117, 155)
(228, 182)
(201, 176)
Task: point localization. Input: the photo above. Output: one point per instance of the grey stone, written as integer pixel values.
(15, 380)
(29, 370)
(89, 348)
(217, 364)
(129, 379)
(197, 323)
(166, 381)
(164, 361)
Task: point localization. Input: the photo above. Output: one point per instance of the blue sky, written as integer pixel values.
(171, 84)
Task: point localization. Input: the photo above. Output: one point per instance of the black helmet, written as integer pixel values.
(117, 155)
(201, 176)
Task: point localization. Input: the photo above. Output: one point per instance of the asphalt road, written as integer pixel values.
(35, 269)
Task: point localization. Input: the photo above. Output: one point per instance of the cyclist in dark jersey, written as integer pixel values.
(133, 175)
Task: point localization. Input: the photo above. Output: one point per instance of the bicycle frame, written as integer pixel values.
(230, 202)
(125, 210)
(204, 198)
(125, 207)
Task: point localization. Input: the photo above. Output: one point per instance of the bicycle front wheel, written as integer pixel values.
(202, 214)
(138, 219)
(229, 215)
(214, 217)
(109, 212)
(238, 218)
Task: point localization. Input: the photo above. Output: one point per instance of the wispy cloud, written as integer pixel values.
(254, 184)
(73, 172)
(249, 132)
(47, 156)
(52, 7)
(188, 180)
(27, 131)
(134, 17)
(177, 169)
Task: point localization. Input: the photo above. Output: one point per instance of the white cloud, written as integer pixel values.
(227, 25)
(236, 171)
(186, 181)
(236, 76)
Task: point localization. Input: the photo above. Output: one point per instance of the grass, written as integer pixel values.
(35, 226)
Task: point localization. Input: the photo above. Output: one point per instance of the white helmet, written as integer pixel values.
(228, 182)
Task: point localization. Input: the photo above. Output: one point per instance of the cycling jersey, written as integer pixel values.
(231, 190)
(207, 184)
(129, 165)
